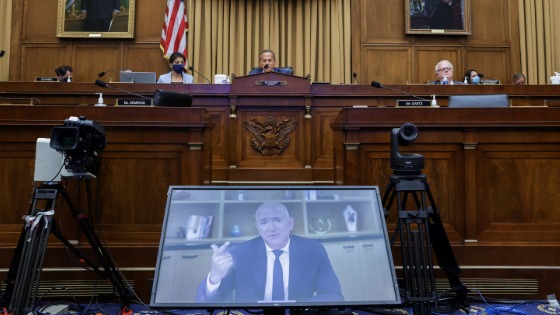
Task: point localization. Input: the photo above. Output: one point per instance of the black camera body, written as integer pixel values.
(404, 136)
(82, 142)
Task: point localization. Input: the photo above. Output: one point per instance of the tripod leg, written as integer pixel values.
(111, 272)
(444, 253)
(25, 269)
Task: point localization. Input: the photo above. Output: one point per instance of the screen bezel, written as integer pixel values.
(303, 190)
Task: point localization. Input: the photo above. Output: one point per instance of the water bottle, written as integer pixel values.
(445, 81)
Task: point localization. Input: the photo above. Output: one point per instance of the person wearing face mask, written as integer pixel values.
(177, 63)
(473, 77)
(64, 73)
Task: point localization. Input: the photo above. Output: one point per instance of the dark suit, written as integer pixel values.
(311, 278)
(454, 82)
(284, 70)
(442, 15)
(99, 14)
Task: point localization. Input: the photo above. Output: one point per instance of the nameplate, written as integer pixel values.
(271, 83)
(489, 81)
(128, 102)
(413, 103)
(46, 79)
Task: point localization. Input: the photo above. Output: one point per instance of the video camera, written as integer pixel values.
(404, 136)
(81, 142)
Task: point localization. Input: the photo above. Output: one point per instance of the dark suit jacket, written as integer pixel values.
(101, 9)
(283, 70)
(454, 82)
(311, 278)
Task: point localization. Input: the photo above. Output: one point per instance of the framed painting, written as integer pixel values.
(438, 17)
(95, 18)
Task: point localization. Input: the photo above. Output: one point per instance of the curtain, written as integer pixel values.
(312, 36)
(5, 32)
(539, 29)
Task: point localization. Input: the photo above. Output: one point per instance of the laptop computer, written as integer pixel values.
(138, 77)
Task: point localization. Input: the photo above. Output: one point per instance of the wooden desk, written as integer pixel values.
(148, 149)
(494, 174)
(492, 171)
(308, 158)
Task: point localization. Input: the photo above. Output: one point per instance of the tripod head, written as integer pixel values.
(405, 163)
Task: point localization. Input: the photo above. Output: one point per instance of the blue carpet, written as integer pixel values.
(522, 308)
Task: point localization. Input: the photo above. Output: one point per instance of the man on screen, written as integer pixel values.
(275, 266)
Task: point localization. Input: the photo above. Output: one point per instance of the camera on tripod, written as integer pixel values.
(81, 141)
(404, 136)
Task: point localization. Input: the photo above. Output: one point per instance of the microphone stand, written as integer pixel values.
(104, 85)
(379, 85)
(194, 71)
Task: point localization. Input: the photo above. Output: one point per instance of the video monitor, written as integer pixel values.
(219, 246)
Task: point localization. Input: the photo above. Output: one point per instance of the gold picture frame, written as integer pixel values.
(438, 17)
(74, 20)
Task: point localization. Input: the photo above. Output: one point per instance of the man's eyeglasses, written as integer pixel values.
(445, 69)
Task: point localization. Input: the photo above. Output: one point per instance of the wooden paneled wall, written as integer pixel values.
(382, 51)
(380, 48)
(36, 51)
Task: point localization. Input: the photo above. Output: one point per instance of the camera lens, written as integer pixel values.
(407, 134)
(64, 138)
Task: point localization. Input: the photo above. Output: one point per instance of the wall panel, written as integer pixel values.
(39, 20)
(491, 23)
(377, 59)
(34, 26)
(108, 56)
(40, 60)
(494, 27)
(144, 57)
(492, 62)
(149, 20)
(427, 57)
(380, 22)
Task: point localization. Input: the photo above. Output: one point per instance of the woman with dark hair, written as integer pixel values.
(177, 63)
(472, 77)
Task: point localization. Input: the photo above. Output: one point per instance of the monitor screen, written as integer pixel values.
(221, 246)
(138, 77)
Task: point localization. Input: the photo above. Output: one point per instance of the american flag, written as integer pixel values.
(175, 25)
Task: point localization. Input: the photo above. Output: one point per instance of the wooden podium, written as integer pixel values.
(268, 138)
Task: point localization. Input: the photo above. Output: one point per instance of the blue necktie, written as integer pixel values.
(277, 278)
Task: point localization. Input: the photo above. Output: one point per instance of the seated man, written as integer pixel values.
(64, 73)
(519, 79)
(267, 63)
(444, 73)
(275, 266)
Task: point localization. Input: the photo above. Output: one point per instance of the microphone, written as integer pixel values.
(265, 67)
(30, 99)
(102, 73)
(205, 78)
(104, 85)
(2, 53)
(379, 85)
(355, 76)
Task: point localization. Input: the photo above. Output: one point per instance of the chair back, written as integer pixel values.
(487, 100)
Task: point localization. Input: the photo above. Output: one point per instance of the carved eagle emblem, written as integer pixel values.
(270, 138)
